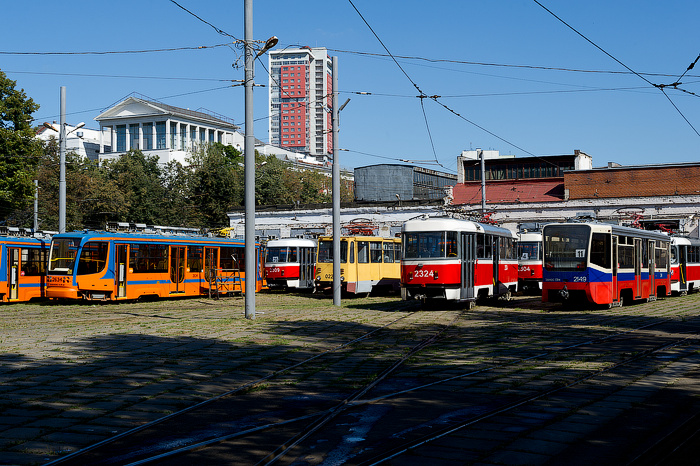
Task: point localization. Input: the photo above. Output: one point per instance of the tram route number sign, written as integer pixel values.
(580, 253)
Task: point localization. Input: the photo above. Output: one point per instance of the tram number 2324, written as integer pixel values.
(423, 273)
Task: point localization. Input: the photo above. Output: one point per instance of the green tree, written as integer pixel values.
(20, 151)
(139, 179)
(215, 184)
(92, 198)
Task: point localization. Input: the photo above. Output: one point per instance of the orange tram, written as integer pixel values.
(22, 267)
(123, 266)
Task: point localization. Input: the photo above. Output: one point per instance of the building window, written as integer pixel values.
(183, 136)
(148, 136)
(133, 136)
(160, 135)
(173, 135)
(121, 138)
(193, 137)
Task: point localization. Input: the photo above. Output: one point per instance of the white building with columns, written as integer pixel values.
(161, 130)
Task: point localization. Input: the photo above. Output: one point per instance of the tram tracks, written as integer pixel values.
(316, 418)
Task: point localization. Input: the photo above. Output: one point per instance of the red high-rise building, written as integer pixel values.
(301, 83)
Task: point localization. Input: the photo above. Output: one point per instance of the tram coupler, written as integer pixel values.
(564, 293)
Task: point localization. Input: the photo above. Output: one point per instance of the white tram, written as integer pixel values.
(685, 264)
(457, 260)
(289, 263)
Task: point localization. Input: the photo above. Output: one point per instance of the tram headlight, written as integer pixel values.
(435, 275)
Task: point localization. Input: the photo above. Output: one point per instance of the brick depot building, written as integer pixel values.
(556, 188)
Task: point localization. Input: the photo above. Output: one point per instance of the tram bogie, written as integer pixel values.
(457, 260)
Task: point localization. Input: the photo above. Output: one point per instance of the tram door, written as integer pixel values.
(652, 266)
(13, 268)
(468, 256)
(122, 254)
(306, 268)
(211, 265)
(177, 269)
(615, 264)
(638, 267)
(682, 260)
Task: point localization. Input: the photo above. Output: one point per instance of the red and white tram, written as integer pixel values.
(290, 262)
(685, 264)
(530, 258)
(604, 264)
(457, 260)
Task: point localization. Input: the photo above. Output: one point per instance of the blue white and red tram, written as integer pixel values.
(457, 260)
(290, 263)
(22, 267)
(604, 264)
(112, 266)
(685, 264)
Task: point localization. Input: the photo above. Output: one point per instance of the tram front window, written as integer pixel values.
(279, 254)
(325, 251)
(674, 254)
(529, 250)
(430, 244)
(62, 257)
(566, 246)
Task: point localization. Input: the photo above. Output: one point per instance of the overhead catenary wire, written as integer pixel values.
(422, 95)
(117, 52)
(658, 86)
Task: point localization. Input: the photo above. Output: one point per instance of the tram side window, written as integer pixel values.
(693, 254)
(484, 246)
(228, 259)
(661, 257)
(375, 252)
(362, 252)
(600, 250)
(625, 256)
(451, 244)
(149, 258)
(194, 258)
(645, 254)
(505, 249)
(93, 257)
(388, 253)
(480, 246)
(34, 261)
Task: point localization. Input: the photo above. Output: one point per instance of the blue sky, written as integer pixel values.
(505, 67)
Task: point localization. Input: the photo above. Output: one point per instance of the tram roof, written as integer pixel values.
(301, 242)
(685, 241)
(619, 230)
(151, 238)
(454, 224)
(24, 240)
